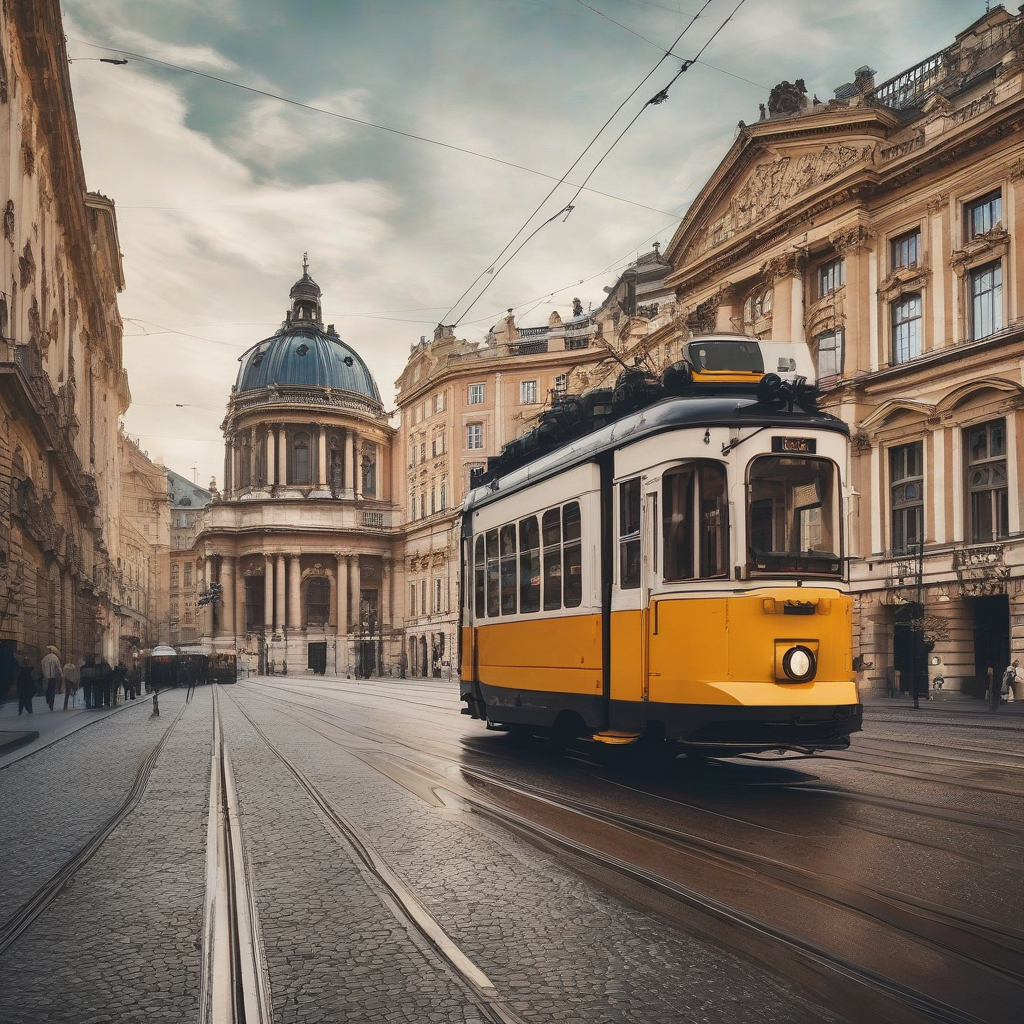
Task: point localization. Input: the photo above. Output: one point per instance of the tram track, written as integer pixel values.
(19, 922)
(966, 939)
(400, 899)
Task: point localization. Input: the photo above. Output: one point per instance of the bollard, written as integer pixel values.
(156, 703)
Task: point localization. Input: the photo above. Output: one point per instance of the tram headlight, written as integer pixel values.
(799, 664)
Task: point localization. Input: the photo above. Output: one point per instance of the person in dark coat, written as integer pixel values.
(8, 670)
(134, 681)
(26, 688)
(120, 678)
(87, 678)
(104, 679)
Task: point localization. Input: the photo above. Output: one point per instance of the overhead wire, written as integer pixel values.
(565, 209)
(344, 117)
(658, 98)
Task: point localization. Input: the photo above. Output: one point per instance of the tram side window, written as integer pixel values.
(572, 555)
(629, 534)
(529, 565)
(507, 539)
(695, 494)
(552, 529)
(478, 577)
(493, 593)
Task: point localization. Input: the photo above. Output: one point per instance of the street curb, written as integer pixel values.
(85, 725)
(19, 739)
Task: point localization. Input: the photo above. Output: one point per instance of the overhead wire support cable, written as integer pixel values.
(658, 98)
(334, 113)
(490, 266)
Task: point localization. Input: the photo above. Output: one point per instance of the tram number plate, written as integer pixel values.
(807, 445)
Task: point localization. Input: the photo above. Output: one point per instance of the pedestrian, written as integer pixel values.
(8, 668)
(134, 680)
(26, 688)
(52, 675)
(890, 681)
(104, 678)
(88, 679)
(120, 678)
(1010, 676)
(70, 672)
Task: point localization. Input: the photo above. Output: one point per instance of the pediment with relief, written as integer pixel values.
(772, 184)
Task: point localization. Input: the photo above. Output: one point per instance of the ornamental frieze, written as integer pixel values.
(992, 245)
(772, 185)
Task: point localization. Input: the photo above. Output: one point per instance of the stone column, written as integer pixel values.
(294, 592)
(268, 592)
(385, 595)
(279, 588)
(351, 470)
(272, 456)
(239, 598)
(321, 463)
(227, 467)
(341, 594)
(227, 582)
(282, 454)
(354, 577)
(252, 457)
(208, 579)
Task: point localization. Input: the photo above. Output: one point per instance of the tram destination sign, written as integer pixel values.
(804, 445)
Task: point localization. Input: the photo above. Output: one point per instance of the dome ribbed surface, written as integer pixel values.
(304, 355)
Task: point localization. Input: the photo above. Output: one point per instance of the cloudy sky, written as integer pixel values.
(220, 190)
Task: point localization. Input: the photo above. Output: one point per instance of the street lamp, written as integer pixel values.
(920, 660)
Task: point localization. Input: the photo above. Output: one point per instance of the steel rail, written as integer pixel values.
(933, 1008)
(403, 903)
(23, 917)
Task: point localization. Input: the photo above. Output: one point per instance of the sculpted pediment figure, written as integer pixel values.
(773, 182)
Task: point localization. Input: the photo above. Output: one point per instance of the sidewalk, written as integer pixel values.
(23, 735)
(947, 705)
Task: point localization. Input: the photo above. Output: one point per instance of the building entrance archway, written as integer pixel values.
(991, 640)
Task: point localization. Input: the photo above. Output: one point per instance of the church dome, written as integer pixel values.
(304, 353)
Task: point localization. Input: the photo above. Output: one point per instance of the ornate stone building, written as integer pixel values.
(303, 537)
(187, 503)
(882, 228)
(62, 385)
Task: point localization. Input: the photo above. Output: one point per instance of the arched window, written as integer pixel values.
(300, 458)
(318, 601)
(369, 470)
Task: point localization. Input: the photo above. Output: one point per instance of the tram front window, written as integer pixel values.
(793, 515)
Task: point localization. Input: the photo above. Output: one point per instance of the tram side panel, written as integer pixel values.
(532, 634)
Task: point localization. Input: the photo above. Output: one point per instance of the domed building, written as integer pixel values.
(301, 539)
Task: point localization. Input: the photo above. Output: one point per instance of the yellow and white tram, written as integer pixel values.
(676, 573)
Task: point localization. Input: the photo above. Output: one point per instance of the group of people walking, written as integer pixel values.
(99, 682)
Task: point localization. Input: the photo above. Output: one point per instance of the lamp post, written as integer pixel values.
(919, 652)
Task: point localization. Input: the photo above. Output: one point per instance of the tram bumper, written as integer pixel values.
(732, 729)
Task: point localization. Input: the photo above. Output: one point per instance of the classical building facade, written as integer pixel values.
(187, 503)
(303, 537)
(142, 566)
(62, 384)
(882, 228)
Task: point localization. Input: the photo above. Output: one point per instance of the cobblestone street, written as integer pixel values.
(405, 865)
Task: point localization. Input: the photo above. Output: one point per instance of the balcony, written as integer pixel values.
(529, 348)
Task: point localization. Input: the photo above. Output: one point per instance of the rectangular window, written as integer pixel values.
(507, 542)
(987, 486)
(629, 534)
(423, 451)
(188, 575)
(983, 214)
(986, 300)
(412, 600)
(906, 496)
(904, 250)
(444, 494)
(831, 276)
(433, 448)
(572, 555)
(561, 383)
(493, 575)
(907, 342)
(527, 392)
(174, 576)
(439, 402)
(551, 529)
(476, 394)
(529, 565)
(423, 597)
(433, 500)
(437, 597)
(423, 505)
(479, 567)
(695, 494)
(830, 354)
(475, 435)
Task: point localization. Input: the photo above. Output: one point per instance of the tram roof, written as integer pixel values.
(668, 414)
